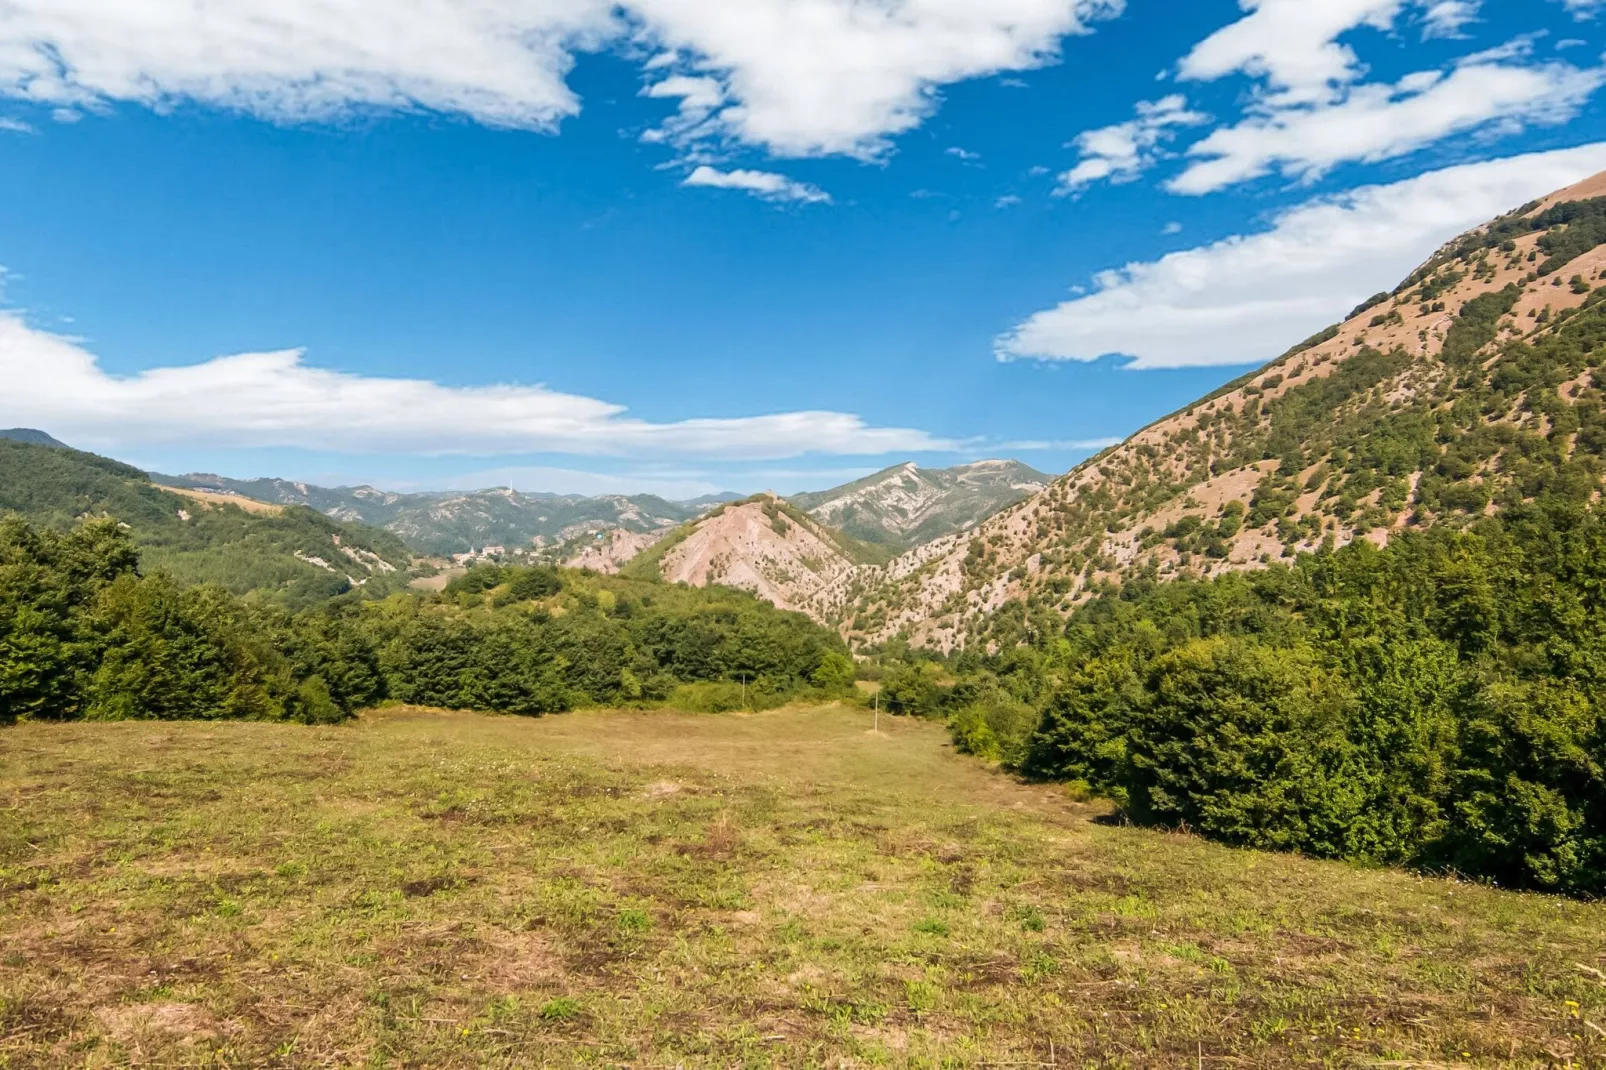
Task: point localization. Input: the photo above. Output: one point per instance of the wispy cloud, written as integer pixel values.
(764, 184)
(1248, 298)
(1312, 109)
(1380, 122)
(279, 400)
(1448, 18)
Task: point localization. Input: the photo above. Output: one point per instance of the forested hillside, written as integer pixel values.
(294, 556)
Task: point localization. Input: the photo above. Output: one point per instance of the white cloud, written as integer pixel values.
(1248, 298)
(1292, 44)
(1312, 111)
(1377, 122)
(819, 77)
(963, 155)
(1171, 228)
(1122, 152)
(1583, 10)
(765, 184)
(15, 126)
(1008, 200)
(1447, 18)
(500, 61)
(278, 400)
(799, 77)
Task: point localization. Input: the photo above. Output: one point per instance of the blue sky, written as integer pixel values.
(683, 245)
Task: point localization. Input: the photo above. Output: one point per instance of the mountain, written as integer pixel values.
(1472, 384)
(457, 522)
(763, 545)
(32, 437)
(289, 554)
(905, 505)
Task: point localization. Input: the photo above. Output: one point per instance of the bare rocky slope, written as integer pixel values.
(906, 505)
(1427, 405)
(763, 545)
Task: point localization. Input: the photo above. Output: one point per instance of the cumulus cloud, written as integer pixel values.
(820, 77)
(1122, 152)
(1248, 298)
(1379, 122)
(278, 400)
(766, 184)
(799, 77)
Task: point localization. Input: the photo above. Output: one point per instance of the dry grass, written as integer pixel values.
(663, 890)
(212, 497)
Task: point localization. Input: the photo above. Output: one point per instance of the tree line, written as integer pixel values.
(86, 634)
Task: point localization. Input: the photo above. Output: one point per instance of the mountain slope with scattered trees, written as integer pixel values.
(1436, 403)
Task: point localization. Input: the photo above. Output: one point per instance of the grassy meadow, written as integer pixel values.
(784, 889)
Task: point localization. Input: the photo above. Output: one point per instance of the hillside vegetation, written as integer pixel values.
(777, 890)
(1467, 388)
(294, 557)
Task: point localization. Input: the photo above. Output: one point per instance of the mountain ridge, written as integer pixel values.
(1355, 433)
(905, 505)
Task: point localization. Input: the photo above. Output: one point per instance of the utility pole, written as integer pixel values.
(744, 690)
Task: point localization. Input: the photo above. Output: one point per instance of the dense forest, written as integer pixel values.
(86, 634)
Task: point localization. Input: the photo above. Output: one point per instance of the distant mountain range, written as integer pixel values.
(802, 553)
(451, 522)
(898, 508)
(906, 505)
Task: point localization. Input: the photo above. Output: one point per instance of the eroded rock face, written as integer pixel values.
(760, 546)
